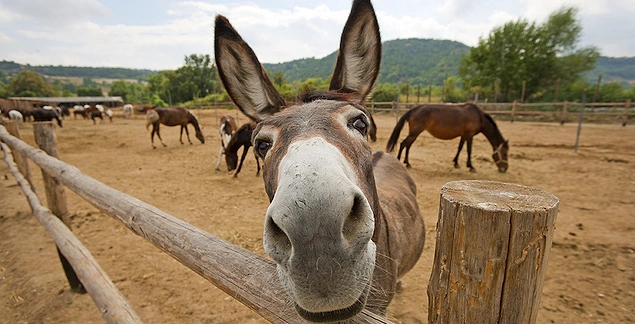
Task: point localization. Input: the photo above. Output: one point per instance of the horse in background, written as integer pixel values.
(178, 116)
(242, 138)
(16, 116)
(448, 121)
(128, 111)
(108, 113)
(40, 114)
(226, 130)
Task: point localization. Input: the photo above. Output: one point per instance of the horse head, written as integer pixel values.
(500, 156)
(318, 170)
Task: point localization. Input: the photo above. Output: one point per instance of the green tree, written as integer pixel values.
(129, 92)
(522, 51)
(29, 84)
(89, 92)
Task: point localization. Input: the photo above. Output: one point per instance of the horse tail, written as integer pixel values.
(390, 146)
(151, 118)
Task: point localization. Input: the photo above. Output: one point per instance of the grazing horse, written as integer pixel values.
(16, 116)
(178, 116)
(242, 138)
(343, 224)
(128, 111)
(40, 114)
(227, 129)
(446, 122)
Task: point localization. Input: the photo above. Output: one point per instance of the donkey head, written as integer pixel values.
(317, 168)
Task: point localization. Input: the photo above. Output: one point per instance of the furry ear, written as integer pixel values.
(359, 55)
(242, 74)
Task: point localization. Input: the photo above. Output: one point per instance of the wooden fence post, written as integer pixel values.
(563, 117)
(19, 158)
(514, 110)
(55, 194)
(627, 109)
(492, 247)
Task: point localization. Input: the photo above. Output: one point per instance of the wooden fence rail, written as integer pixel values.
(112, 305)
(245, 276)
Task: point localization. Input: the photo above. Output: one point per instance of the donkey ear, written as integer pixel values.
(242, 74)
(359, 55)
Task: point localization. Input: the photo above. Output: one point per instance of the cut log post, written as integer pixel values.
(20, 160)
(492, 247)
(55, 194)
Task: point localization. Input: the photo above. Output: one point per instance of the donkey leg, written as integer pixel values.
(456, 158)
(469, 155)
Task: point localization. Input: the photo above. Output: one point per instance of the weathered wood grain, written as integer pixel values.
(492, 248)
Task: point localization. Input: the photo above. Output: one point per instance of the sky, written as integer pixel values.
(159, 34)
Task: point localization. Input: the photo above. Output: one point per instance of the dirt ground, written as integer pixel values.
(590, 276)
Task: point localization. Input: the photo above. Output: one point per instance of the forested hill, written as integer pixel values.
(415, 60)
(12, 68)
(614, 69)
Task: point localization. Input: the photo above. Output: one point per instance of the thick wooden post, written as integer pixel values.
(20, 160)
(55, 193)
(563, 117)
(514, 110)
(492, 247)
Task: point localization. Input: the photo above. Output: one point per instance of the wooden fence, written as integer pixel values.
(491, 251)
(546, 111)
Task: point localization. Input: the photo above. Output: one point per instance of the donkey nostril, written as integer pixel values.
(356, 227)
(276, 241)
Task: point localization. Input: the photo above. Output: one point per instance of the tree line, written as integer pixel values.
(520, 60)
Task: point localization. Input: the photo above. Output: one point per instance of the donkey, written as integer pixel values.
(343, 224)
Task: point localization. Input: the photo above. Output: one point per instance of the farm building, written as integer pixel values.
(30, 102)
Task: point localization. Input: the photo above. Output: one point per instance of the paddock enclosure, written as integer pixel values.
(590, 276)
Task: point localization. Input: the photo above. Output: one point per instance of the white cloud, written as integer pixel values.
(276, 34)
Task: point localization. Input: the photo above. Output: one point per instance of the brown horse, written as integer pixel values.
(343, 225)
(178, 116)
(227, 129)
(242, 138)
(445, 121)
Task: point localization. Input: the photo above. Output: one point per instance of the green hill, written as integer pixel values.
(620, 69)
(12, 68)
(417, 61)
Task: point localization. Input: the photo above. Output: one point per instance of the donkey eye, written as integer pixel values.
(262, 147)
(360, 124)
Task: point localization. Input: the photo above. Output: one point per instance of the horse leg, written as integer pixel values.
(242, 159)
(152, 136)
(469, 155)
(406, 143)
(159, 134)
(220, 155)
(258, 164)
(456, 158)
(187, 132)
(181, 136)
